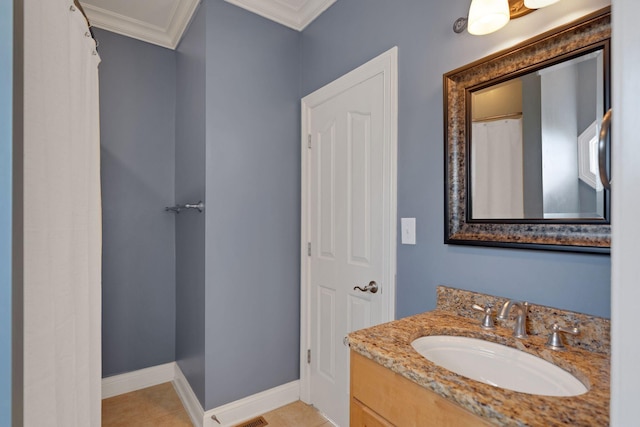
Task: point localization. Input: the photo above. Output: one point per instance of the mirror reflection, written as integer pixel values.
(534, 144)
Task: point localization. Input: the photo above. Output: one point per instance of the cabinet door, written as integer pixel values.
(401, 402)
(362, 416)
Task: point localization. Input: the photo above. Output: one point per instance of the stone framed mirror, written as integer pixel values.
(521, 138)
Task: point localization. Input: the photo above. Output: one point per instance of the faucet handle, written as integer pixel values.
(555, 339)
(487, 320)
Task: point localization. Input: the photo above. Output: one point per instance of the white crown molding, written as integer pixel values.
(168, 36)
(296, 18)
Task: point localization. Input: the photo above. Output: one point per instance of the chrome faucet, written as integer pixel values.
(520, 328)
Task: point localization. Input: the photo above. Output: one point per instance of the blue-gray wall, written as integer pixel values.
(190, 188)
(253, 204)
(235, 287)
(351, 32)
(238, 79)
(137, 114)
(6, 142)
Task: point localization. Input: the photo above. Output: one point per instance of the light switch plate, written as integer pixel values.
(408, 231)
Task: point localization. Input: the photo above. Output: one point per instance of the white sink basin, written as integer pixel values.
(498, 365)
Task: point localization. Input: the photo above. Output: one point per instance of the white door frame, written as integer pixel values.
(387, 65)
(625, 161)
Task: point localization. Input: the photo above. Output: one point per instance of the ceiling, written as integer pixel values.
(163, 22)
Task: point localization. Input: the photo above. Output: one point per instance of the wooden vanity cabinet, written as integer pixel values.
(382, 398)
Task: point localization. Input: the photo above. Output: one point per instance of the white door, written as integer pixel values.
(349, 217)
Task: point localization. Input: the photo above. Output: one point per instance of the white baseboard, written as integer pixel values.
(188, 397)
(252, 406)
(227, 415)
(136, 380)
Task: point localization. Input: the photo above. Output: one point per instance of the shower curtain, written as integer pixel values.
(62, 218)
(497, 169)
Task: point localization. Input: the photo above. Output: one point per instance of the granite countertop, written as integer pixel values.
(389, 345)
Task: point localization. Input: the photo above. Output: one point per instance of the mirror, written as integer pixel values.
(534, 143)
(522, 132)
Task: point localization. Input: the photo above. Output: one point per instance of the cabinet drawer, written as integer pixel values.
(362, 416)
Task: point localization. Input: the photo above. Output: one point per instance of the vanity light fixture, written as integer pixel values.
(488, 16)
(537, 4)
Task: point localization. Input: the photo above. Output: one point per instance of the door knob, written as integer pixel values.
(371, 287)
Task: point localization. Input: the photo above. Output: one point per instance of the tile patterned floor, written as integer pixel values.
(160, 406)
(154, 406)
(296, 414)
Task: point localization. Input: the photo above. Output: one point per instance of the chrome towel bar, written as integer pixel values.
(177, 208)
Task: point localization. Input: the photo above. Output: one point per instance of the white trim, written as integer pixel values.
(305, 227)
(228, 415)
(136, 380)
(252, 406)
(292, 17)
(625, 164)
(168, 36)
(386, 64)
(188, 397)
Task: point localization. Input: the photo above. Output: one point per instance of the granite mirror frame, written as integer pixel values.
(590, 33)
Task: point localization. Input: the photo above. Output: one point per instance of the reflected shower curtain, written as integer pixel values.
(62, 218)
(497, 169)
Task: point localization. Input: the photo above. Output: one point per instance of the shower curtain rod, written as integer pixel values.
(499, 117)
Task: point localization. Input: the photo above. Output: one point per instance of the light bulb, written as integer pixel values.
(487, 16)
(537, 4)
